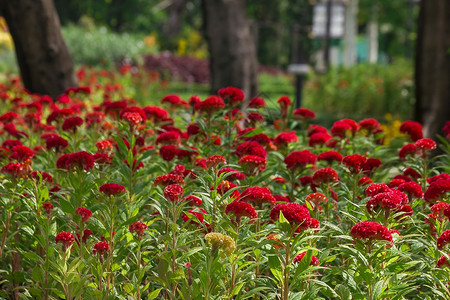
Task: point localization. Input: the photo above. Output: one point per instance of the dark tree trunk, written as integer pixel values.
(176, 12)
(44, 60)
(232, 49)
(432, 65)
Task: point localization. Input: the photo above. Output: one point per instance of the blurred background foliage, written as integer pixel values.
(111, 33)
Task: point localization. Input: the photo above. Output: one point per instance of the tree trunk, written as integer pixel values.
(233, 57)
(350, 33)
(174, 22)
(44, 60)
(432, 66)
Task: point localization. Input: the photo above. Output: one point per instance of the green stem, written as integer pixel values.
(5, 234)
(286, 271)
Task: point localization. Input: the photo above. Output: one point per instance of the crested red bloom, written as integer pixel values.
(17, 170)
(214, 160)
(21, 153)
(194, 216)
(102, 158)
(112, 189)
(173, 192)
(169, 137)
(325, 176)
(257, 102)
(330, 156)
(314, 128)
(443, 176)
(437, 190)
(66, 238)
(424, 145)
(413, 129)
(47, 206)
(390, 200)
(316, 198)
(9, 117)
(233, 174)
(364, 181)
(406, 150)
(76, 160)
(303, 114)
(370, 125)
(296, 214)
(225, 186)
(210, 105)
(193, 200)
(261, 138)
(442, 262)
(231, 94)
(250, 148)
(172, 99)
(440, 210)
(298, 258)
(11, 143)
(367, 230)
(411, 173)
(155, 114)
(254, 118)
(84, 213)
(257, 195)
(72, 123)
(299, 159)
(376, 188)
(252, 164)
(45, 176)
(354, 162)
(318, 139)
(284, 103)
(94, 117)
(285, 138)
(139, 228)
(104, 146)
(168, 152)
(133, 109)
(56, 142)
(369, 166)
(100, 248)
(342, 127)
(412, 189)
(443, 240)
(241, 209)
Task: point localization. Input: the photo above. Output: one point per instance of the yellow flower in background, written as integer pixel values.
(6, 41)
(224, 242)
(391, 128)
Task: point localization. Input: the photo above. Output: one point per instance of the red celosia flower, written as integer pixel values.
(280, 198)
(65, 238)
(412, 173)
(367, 230)
(187, 153)
(390, 200)
(156, 114)
(214, 160)
(442, 262)
(21, 153)
(47, 206)
(210, 105)
(425, 145)
(252, 164)
(440, 210)
(314, 128)
(443, 240)
(169, 137)
(413, 129)
(284, 102)
(232, 174)
(193, 200)
(258, 196)
(325, 176)
(76, 160)
(316, 199)
(396, 182)
(17, 170)
(173, 192)
(94, 117)
(261, 138)
(86, 234)
(112, 189)
(102, 158)
(84, 213)
(296, 214)
(241, 209)
(168, 152)
(72, 123)
(303, 114)
(100, 248)
(318, 139)
(376, 188)
(446, 130)
(256, 102)
(9, 117)
(369, 166)
(443, 176)
(370, 125)
(253, 118)
(225, 186)
(167, 179)
(197, 217)
(139, 228)
(437, 190)
(250, 148)
(299, 159)
(408, 149)
(133, 119)
(56, 142)
(173, 100)
(231, 94)
(354, 162)
(45, 176)
(104, 146)
(330, 156)
(314, 260)
(364, 181)
(412, 189)
(133, 109)
(341, 127)
(285, 138)
(11, 143)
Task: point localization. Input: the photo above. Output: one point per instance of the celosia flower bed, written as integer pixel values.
(202, 199)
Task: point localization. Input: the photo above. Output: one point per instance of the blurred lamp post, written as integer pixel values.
(299, 70)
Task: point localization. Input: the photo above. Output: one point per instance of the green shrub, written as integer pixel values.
(100, 47)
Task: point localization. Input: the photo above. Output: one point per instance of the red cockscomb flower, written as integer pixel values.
(257, 102)
(250, 148)
(443, 240)
(169, 137)
(424, 145)
(284, 103)
(112, 189)
(411, 173)
(325, 176)
(440, 210)
(139, 228)
(368, 231)
(100, 248)
(412, 189)
(354, 162)
(285, 138)
(168, 152)
(376, 188)
(17, 170)
(330, 156)
(442, 262)
(241, 209)
(47, 206)
(173, 192)
(72, 123)
(76, 160)
(369, 166)
(390, 200)
(318, 139)
(364, 181)
(413, 129)
(232, 95)
(251, 164)
(299, 159)
(370, 125)
(296, 214)
(56, 142)
(258, 196)
(437, 190)
(156, 114)
(298, 258)
(21, 153)
(193, 200)
(342, 127)
(214, 160)
(303, 114)
(65, 238)
(210, 105)
(232, 174)
(168, 179)
(84, 213)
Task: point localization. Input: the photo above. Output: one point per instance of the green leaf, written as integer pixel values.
(154, 294)
(37, 274)
(128, 288)
(378, 289)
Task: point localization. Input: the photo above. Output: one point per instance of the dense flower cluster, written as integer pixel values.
(100, 248)
(139, 228)
(78, 160)
(112, 189)
(65, 238)
(299, 257)
(299, 159)
(173, 192)
(258, 196)
(325, 176)
(220, 241)
(296, 214)
(84, 213)
(241, 209)
(367, 231)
